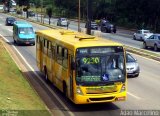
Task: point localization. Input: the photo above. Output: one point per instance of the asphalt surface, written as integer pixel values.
(143, 91)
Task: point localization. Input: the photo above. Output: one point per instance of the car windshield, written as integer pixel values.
(94, 24)
(100, 69)
(63, 19)
(11, 19)
(26, 30)
(129, 58)
(158, 37)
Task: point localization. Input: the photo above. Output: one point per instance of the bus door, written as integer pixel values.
(53, 62)
(71, 76)
(44, 54)
(49, 60)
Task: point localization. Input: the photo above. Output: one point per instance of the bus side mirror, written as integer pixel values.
(72, 66)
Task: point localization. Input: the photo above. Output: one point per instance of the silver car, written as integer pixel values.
(132, 66)
(142, 35)
(62, 22)
(153, 41)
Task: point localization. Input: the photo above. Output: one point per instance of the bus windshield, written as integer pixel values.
(100, 66)
(26, 30)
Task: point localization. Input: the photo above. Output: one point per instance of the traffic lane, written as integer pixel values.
(123, 40)
(36, 26)
(146, 86)
(28, 51)
(115, 37)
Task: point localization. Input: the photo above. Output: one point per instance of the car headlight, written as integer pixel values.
(123, 88)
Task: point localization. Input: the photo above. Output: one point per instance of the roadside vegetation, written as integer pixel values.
(126, 13)
(16, 95)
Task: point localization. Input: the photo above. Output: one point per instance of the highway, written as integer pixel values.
(143, 91)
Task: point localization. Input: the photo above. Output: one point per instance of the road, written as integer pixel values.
(123, 36)
(143, 91)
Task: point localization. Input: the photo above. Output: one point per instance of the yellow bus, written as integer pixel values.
(85, 68)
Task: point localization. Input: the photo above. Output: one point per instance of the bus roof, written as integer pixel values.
(22, 24)
(75, 39)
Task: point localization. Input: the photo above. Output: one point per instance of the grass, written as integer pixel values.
(15, 92)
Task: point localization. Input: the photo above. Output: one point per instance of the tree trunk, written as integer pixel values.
(49, 20)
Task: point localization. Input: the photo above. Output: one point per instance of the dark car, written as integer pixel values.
(19, 12)
(132, 66)
(107, 27)
(94, 26)
(10, 21)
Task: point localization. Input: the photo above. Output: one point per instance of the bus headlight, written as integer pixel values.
(123, 88)
(79, 91)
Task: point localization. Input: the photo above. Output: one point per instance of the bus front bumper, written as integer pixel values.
(81, 99)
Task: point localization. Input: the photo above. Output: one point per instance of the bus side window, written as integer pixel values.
(45, 46)
(49, 49)
(59, 55)
(65, 57)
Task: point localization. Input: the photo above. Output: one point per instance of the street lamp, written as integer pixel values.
(79, 14)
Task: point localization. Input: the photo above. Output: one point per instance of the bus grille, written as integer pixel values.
(101, 99)
(101, 92)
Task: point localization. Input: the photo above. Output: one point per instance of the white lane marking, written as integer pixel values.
(133, 95)
(39, 77)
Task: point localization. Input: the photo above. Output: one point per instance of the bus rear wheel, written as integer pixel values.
(64, 89)
(46, 74)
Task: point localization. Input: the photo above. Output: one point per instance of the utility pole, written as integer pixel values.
(9, 5)
(79, 14)
(89, 14)
(41, 9)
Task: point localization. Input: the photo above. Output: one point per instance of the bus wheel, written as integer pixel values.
(14, 41)
(46, 75)
(64, 89)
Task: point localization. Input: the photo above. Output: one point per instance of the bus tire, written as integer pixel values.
(14, 41)
(64, 89)
(46, 74)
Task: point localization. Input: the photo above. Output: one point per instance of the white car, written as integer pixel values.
(62, 22)
(142, 35)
